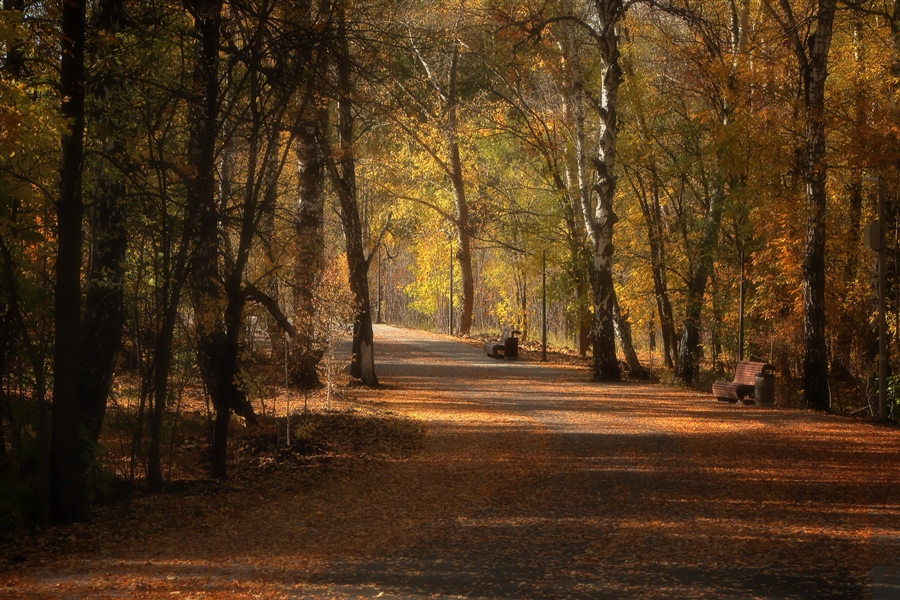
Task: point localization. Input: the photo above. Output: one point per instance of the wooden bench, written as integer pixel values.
(744, 382)
(507, 347)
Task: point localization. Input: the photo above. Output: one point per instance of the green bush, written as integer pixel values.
(893, 398)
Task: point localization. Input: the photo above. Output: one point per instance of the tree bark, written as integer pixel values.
(206, 290)
(597, 202)
(70, 456)
(219, 343)
(650, 208)
(687, 366)
(729, 62)
(446, 121)
(463, 236)
(104, 311)
(658, 263)
(203, 110)
(648, 200)
(159, 378)
(815, 361)
(260, 175)
(850, 314)
(307, 348)
(605, 363)
(580, 200)
(812, 60)
(363, 360)
(623, 333)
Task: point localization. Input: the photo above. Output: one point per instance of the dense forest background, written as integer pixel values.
(195, 191)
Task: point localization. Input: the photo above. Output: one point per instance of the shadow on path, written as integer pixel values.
(536, 482)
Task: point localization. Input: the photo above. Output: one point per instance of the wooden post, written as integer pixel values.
(287, 396)
(874, 239)
(882, 308)
(378, 310)
(450, 327)
(544, 306)
(741, 311)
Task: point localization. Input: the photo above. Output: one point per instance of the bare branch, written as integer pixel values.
(251, 292)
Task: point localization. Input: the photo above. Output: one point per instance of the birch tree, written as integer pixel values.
(597, 202)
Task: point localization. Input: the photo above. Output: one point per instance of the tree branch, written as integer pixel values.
(380, 238)
(251, 292)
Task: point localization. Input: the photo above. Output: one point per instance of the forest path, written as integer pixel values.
(534, 482)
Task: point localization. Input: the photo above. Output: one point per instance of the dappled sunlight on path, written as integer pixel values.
(534, 482)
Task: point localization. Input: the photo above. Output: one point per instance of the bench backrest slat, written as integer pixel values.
(746, 372)
(509, 333)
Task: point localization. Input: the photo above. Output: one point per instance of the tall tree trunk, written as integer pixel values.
(851, 314)
(207, 296)
(812, 60)
(689, 349)
(259, 176)
(104, 310)
(651, 209)
(623, 333)
(596, 203)
(581, 202)
(203, 107)
(159, 379)
(581, 256)
(463, 235)
(173, 275)
(815, 359)
(580, 269)
(221, 364)
(363, 361)
(70, 455)
(307, 349)
(605, 363)
(660, 285)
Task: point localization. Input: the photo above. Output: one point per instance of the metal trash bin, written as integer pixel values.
(764, 389)
(511, 347)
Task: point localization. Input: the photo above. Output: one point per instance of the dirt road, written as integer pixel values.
(534, 482)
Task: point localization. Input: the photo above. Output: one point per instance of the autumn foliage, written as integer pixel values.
(198, 198)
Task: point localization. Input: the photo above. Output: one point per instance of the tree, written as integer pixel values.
(229, 223)
(535, 124)
(596, 174)
(429, 92)
(812, 62)
(70, 456)
(646, 187)
(723, 46)
(597, 206)
(104, 311)
(343, 178)
(309, 258)
(207, 296)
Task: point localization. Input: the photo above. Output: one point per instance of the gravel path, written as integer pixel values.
(536, 482)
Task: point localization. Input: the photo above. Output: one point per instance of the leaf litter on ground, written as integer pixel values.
(531, 481)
